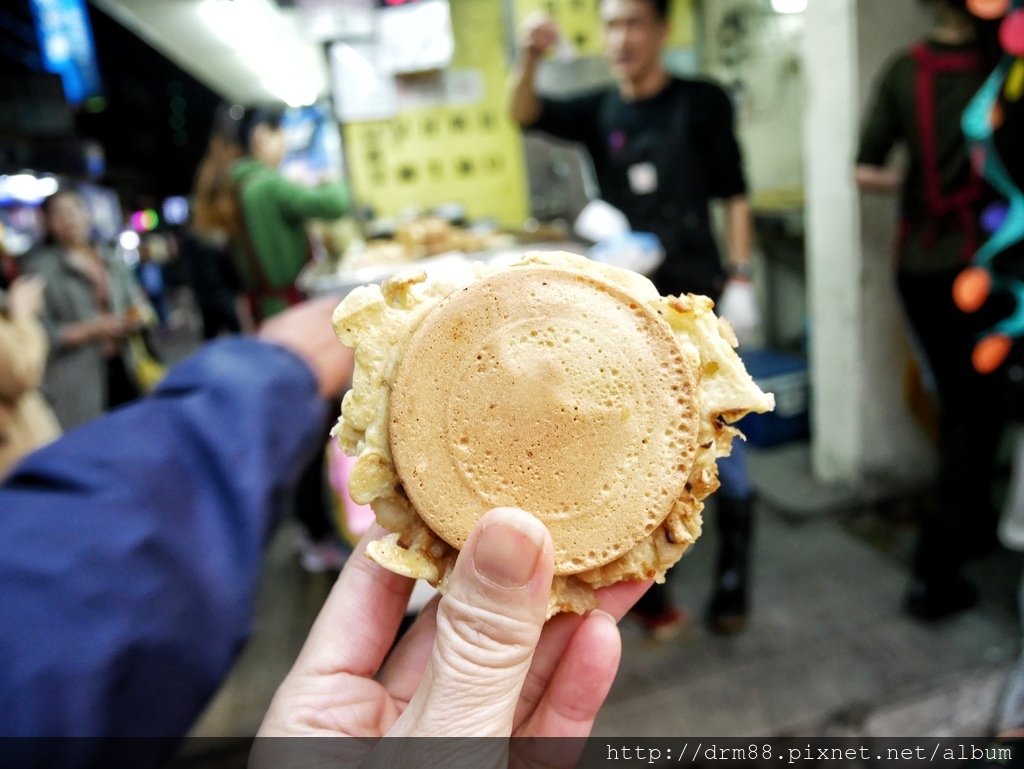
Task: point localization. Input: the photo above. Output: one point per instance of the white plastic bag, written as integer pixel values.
(600, 221)
(637, 251)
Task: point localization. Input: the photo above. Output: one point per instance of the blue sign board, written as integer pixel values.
(66, 43)
(314, 144)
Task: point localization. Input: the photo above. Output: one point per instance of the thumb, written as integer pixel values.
(488, 625)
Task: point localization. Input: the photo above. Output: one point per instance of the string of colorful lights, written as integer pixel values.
(1004, 220)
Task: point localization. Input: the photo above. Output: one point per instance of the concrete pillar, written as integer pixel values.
(833, 242)
(863, 430)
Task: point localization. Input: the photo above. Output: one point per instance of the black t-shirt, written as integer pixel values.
(660, 161)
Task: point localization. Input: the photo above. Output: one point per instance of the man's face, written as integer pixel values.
(633, 36)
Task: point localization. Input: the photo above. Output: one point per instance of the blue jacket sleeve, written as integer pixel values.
(130, 549)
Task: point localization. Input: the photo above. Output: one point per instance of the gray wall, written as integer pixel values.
(762, 66)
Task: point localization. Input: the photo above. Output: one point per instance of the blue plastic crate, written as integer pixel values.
(787, 378)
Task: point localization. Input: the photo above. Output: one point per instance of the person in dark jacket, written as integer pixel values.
(918, 103)
(131, 547)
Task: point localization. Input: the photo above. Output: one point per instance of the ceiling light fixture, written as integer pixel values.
(252, 28)
(789, 6)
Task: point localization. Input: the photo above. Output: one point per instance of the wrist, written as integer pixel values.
(97, 331)
(529, 55)
(742, 271)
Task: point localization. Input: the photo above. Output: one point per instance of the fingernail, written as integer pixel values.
(506, 554)
(601, 614)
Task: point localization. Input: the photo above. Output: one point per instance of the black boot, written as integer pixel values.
(727, 612)
(937, 589)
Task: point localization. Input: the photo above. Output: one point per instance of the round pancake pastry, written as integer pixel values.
(551, 390)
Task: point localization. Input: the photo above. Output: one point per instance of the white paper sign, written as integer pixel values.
(464, 86)
(324, 20)
(362, 91)
(416, 37)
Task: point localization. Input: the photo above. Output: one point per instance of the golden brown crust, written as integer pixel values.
(551, 390)
(382, 323)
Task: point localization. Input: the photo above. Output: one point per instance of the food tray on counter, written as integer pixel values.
(315, 281)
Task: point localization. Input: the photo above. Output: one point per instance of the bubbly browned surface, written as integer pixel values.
(381, 322)
(549, 390)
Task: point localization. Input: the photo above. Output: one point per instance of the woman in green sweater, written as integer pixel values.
(271, 245)
(271, 248)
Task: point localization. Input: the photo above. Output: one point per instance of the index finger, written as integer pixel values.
(360, 618)
(615, 599)
(538, 20)
(405, 668)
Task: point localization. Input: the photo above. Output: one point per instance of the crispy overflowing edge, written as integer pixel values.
(379, 324)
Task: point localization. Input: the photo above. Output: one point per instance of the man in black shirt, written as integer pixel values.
(662, 149)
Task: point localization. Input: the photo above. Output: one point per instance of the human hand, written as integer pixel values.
(738, 305)
(538, 33)
(134, 325)
(138, 317)
(479, 662)
(108, 328)
(306, 330)
(25, 297)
